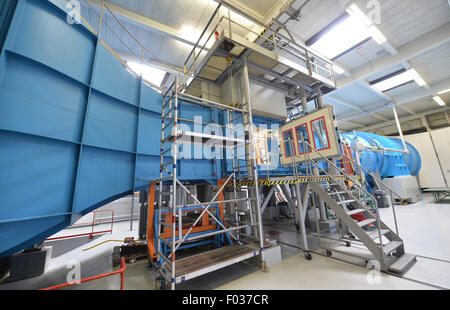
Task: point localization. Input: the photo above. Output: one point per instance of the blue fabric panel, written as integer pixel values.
(112, 78)
(39, 100)
(47, 37)
(111, 123)
(150, 99)
(196, 169)
(103, 173)
(149, 133)
(147, 169)
(36, 176)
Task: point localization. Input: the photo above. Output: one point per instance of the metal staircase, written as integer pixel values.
(348, 198)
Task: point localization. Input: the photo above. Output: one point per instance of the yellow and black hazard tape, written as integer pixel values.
(297, 181)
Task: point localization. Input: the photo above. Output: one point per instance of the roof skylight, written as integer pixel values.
(343, 36)
(399, 79)
(151, 74)
(353, 29)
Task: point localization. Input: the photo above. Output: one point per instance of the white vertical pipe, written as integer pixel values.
(397, 121)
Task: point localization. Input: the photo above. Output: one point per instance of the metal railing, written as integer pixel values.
(120, 271)
(140, 51)
(313, 61)
(344, 187)
(355, 164)
(391, 191)
(92, 233)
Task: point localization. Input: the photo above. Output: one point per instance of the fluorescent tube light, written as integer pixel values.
(439, 100)
(354, 11)
(374, 32)
(151, 74)
(394, 81)
(352, 30)
(418, 78)
(340, 38)
(377, 35)
(444, 91)
(338, 70)
(399, 79)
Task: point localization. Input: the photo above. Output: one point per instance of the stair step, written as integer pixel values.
(374, 234)
(391, 246)
(356, 211)
(403, 263)
(345, 201)
(366, 222)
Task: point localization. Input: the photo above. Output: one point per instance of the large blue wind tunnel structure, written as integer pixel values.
(390, 163)
(77, 130)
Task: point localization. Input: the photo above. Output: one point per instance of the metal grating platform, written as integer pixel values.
(200, 264)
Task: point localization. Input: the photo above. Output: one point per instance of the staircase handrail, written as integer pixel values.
(377, 218)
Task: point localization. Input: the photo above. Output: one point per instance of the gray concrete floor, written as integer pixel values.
(423, 226)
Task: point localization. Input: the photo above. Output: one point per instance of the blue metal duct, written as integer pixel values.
(77, 130)
(388, 164)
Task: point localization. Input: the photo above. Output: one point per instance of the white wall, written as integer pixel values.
(267, 102)
(441, 138)
(430, 174)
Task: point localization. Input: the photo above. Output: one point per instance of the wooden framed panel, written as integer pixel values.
(320, 130)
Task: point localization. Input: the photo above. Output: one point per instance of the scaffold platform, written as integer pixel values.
(196, 265)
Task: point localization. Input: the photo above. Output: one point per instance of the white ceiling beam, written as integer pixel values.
(408, 51)
(343, 102)
(406, 119)
(381, 118)
(143, 20)
(385, 96)
(353, 124)
(406, 109)
(353, 106)
(278, 9)
(244, 8)
(403, 99)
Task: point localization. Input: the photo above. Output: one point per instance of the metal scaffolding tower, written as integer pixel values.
(246, 237)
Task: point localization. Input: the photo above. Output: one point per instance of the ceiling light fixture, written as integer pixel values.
(377, 35)
(349, 32)
(399, 79)
(439, 100)
(417, 78)
(338, 70)
(374, 32)
(354, 11)
(444, 91)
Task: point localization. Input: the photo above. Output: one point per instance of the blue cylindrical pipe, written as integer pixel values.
(388, 164)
